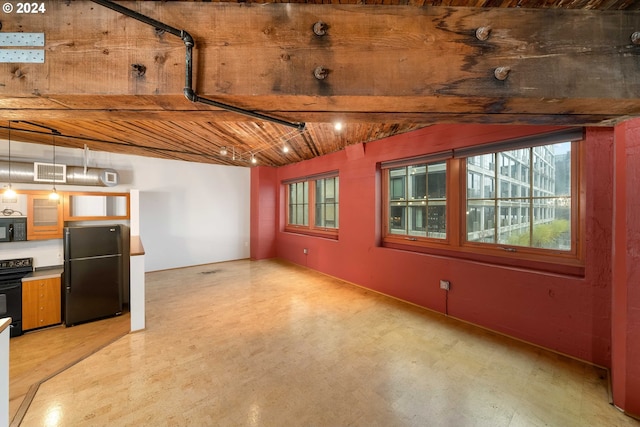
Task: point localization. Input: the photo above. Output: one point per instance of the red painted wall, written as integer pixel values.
(264, 190)
(626, 269)
(568, 314)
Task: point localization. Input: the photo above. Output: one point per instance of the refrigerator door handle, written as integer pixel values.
(67, 277)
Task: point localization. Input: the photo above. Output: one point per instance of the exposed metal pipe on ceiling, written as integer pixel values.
(25, 173)
(189, 43)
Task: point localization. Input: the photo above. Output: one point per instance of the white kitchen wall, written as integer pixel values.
(190, 213)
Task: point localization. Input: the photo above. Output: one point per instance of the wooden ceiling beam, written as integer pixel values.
(384, 60)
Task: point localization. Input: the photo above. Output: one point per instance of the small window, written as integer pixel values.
(415, 201)
(312, 205)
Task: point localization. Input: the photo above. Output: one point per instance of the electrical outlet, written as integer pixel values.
(305, 251)
(444, 284)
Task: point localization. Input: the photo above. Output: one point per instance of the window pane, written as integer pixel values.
(551, 228)
(480, 221)
(326, 203)
(514, 222)
(298, 203)
(397, 183)
(418, 223)
(417, 182)
(437, 221)
(562, 166)
(437, 180)
(397, 219)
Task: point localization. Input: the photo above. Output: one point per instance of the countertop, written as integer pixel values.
(136, 246)
(4, 323)
(44, 273)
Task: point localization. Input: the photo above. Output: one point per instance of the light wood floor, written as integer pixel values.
(270, 344)
(38, 355)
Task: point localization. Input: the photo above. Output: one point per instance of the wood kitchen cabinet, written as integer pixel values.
(41, 303)
(44, 217)
(95, 206)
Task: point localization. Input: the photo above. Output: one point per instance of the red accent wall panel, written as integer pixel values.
(626, 269)
(264, 187)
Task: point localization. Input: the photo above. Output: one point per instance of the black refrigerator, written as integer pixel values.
(95, 262)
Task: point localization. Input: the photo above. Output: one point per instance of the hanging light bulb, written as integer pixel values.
(9, 193)
(54, 194)
(223, 151)
(285, 149)
(253, 159)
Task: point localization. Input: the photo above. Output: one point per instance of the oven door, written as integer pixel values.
(11, 305)
(5, 230)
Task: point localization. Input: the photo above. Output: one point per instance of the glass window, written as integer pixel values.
(423, 213)
(312, 205)
(299, 203)
(327, 203)
(517, 206)
(547, 193)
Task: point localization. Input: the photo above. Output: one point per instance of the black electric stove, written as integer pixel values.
(11, 273)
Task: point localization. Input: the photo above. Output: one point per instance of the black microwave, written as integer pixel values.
(13, 229)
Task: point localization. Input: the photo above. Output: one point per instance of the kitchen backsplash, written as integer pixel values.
(13, 207)
(45, 253)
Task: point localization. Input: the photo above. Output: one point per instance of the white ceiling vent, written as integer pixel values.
(110, 178)
(48, 172)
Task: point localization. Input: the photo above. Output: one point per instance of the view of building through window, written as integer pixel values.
(417, 200)
(521, 197)
(327, 202)
(299, 203)
(313, 206)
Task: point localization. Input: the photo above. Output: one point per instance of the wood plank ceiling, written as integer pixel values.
(380, 67)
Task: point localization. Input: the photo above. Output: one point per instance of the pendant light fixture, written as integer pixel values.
(9, 193)
(54, 194)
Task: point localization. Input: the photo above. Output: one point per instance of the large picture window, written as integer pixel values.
(312, 205)
(533, 205)
(509, 200)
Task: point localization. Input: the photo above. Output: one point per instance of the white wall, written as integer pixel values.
(190, 213)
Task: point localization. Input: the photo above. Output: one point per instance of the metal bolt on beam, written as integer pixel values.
(320, 28)
(502, 73)
(635, 38)
(320, 72)
(483, 33)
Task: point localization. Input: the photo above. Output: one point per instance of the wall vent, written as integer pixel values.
(48, 172)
